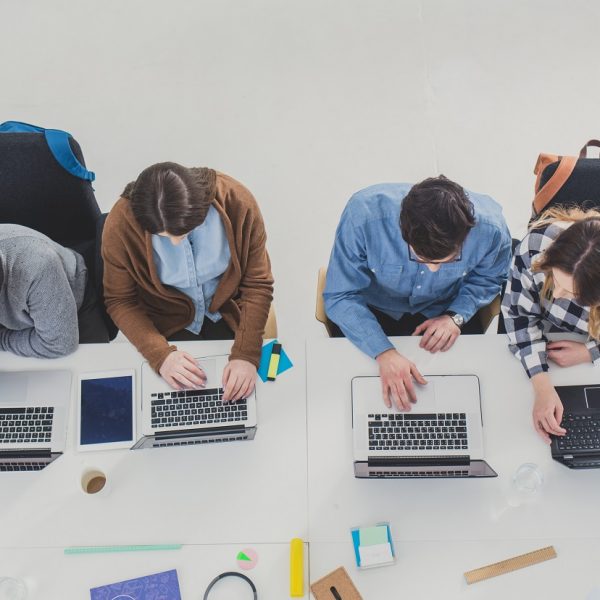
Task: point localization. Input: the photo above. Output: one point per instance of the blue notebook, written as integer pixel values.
(160, 586)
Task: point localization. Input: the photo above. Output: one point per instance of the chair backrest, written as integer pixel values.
(271, 326)
(35, 191)
(320, 313)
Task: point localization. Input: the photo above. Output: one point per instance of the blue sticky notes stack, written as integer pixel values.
(160, 586)
(284, 360)
(373, 546)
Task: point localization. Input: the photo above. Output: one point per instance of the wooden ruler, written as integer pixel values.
(510, 564)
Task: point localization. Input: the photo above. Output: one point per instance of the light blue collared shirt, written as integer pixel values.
(195, 266)
(370, 266)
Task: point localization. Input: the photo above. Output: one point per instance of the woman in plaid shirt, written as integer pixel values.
(554, 286)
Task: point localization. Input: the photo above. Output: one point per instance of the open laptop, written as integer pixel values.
(580, 447)
(34, 408)
(442, 436)
(181, 418)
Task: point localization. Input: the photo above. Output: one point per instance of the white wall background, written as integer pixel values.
(306, 101)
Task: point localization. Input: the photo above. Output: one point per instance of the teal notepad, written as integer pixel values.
(369, 536)
(284, 360)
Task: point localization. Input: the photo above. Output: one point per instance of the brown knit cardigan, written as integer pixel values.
(148, 312)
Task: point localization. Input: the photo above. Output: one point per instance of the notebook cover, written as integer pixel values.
(160, 586)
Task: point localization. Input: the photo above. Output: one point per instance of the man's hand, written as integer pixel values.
(396, 374)
(439, 333)
(567, 354)
(180, 371)
(239, 377)
(547, 408)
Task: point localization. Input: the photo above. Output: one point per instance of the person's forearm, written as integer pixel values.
(28, 342)
(541, 382)
(359, 325)
(139, 329)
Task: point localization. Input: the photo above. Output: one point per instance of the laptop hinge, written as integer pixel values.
(42, 453)
(166, 435)
(418, 461)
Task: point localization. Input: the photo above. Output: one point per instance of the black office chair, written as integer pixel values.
(37, 192)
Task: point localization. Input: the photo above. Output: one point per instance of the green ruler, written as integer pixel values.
(108, 549)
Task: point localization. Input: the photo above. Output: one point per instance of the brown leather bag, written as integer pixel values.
(567, 180)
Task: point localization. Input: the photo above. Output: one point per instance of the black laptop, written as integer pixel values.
(580, 447)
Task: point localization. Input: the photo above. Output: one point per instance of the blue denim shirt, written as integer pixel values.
(370, 266)
(195, 266)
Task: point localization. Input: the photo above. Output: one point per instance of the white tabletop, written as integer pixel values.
(50, 575)
(446, 510)
(435, 569)
(221, 493)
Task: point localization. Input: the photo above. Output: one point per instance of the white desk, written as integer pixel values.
(435, 570)
(50, 575)
(443, 510)
(215, 494)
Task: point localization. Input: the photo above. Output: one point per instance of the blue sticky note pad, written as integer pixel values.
(375, 536)
(284, 361)
(160, 586)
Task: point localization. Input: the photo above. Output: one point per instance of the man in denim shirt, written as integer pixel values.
(414, 260)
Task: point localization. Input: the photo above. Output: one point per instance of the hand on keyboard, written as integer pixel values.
(239, 377)
(547, 408)
(181, 371)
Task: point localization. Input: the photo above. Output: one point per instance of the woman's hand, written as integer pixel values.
(547, 408)
(567, 354)
(239, 377)
(181, 372)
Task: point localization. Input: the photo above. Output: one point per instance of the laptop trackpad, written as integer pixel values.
(447, 393)
(592, 397)
(209, 366)
(14, 389)
(426, 398)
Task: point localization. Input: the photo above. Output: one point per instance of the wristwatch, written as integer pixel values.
(458, 319)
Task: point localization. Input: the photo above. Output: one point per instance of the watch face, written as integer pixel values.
(459, 320)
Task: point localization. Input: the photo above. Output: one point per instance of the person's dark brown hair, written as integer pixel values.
(168, 197)
(435, 218)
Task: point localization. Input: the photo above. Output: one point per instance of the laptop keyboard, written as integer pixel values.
(23, 466)
(409, 474)
(408, 431)
(26, 425)
(583, 432)
(195, 407)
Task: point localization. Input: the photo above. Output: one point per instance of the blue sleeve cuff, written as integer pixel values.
(463, 307)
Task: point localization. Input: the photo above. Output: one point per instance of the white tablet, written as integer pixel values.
(106, 410)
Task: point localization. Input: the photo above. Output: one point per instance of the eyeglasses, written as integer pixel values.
(414, 258)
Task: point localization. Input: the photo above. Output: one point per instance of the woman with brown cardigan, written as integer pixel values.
(185, 258)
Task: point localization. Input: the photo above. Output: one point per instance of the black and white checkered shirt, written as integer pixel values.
(528, 317)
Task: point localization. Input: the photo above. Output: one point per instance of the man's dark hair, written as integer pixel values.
(436, 217)
(169, 197)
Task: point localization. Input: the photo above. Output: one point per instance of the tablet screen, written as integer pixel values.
(106, 410)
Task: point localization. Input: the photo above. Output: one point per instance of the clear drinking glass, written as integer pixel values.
(528, 479)
(12, 589)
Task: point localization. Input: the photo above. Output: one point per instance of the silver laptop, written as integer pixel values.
(181, 418)
(442, 436)
(34, 409)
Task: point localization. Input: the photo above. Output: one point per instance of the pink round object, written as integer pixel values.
(247, 559)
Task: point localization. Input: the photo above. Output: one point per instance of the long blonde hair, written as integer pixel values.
(576, 252)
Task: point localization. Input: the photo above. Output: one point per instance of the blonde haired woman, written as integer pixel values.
(554, 287)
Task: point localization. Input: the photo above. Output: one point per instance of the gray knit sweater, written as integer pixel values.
(42, 286)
